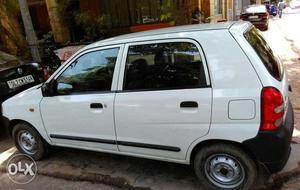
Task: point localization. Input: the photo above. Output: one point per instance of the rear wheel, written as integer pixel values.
(28, 141)
(222, 166)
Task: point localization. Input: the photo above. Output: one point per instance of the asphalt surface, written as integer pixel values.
(283, 36)
(50, 183)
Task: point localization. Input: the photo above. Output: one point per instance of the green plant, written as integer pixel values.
(166, 11)
(94, 26)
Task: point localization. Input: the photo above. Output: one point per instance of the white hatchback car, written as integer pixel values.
(212, 95)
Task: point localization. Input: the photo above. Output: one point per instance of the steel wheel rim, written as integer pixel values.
(27, 142)
(224, 171)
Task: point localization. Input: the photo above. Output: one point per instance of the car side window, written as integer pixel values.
(92, 71)
(161, 66)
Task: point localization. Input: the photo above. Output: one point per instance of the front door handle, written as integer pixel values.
(189, 104)
(96, 106)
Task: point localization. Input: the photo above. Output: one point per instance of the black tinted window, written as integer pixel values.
(265, 53)
(91, 72)
(164, 66)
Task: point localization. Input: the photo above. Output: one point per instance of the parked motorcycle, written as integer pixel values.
(272, 10)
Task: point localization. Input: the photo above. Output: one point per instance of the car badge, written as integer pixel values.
(20, 71)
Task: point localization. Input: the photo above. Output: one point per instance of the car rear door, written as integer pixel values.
(164, 98)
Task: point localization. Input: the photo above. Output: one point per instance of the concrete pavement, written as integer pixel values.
(115, 170)
(283, 36)
(50, 183)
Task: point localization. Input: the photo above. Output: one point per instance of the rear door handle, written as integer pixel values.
(96, 106)
(189, 104)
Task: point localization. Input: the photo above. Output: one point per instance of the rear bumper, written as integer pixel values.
(260, 25)
(273, 148)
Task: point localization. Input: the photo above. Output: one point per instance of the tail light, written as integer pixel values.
(243, 17)
(265, 15)
(272, 105)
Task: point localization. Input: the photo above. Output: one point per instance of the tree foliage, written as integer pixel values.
(12, 39)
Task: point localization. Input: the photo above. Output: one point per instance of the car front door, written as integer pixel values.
(164, 99)
(81, 112)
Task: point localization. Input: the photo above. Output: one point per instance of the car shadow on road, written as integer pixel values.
(118, 170)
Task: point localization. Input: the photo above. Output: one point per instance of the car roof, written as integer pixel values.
(175, 29)
(237, 26)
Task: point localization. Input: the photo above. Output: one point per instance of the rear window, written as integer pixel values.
(255, 9)
(265, 53)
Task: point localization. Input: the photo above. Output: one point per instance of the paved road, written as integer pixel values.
(284, 38)
(49, 183)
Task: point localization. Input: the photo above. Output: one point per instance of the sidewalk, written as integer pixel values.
(284, 38)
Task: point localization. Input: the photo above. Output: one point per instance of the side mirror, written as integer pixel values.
(63, 88)
(49, 89)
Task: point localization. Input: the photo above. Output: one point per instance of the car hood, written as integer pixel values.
(29, 96)
(10, 64)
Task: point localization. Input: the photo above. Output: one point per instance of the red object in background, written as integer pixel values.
(45, 72)
(66, 52)
(151, 26)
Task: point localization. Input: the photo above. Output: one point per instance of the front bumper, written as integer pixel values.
(272, 149)
(4, 126)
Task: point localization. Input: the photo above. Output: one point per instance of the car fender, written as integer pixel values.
(25, 106)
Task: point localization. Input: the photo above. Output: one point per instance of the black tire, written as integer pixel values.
(40, 146)
(243, 164)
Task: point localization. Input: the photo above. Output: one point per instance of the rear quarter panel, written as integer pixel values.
(265, 77)
(233, 79)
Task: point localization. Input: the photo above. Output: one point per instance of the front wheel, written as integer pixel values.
(223, 166)
(28, 141)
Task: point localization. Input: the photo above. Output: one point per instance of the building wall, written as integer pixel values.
(60, 31)
(185, 8)
(205, 7)
(93, 6)
(226, 7)
(182, 13)
(39, 16)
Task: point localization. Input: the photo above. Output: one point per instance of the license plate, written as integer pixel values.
(20, 81)
(253, 17)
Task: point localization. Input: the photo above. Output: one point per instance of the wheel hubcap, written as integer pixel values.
(27, 142)
(224, 171)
